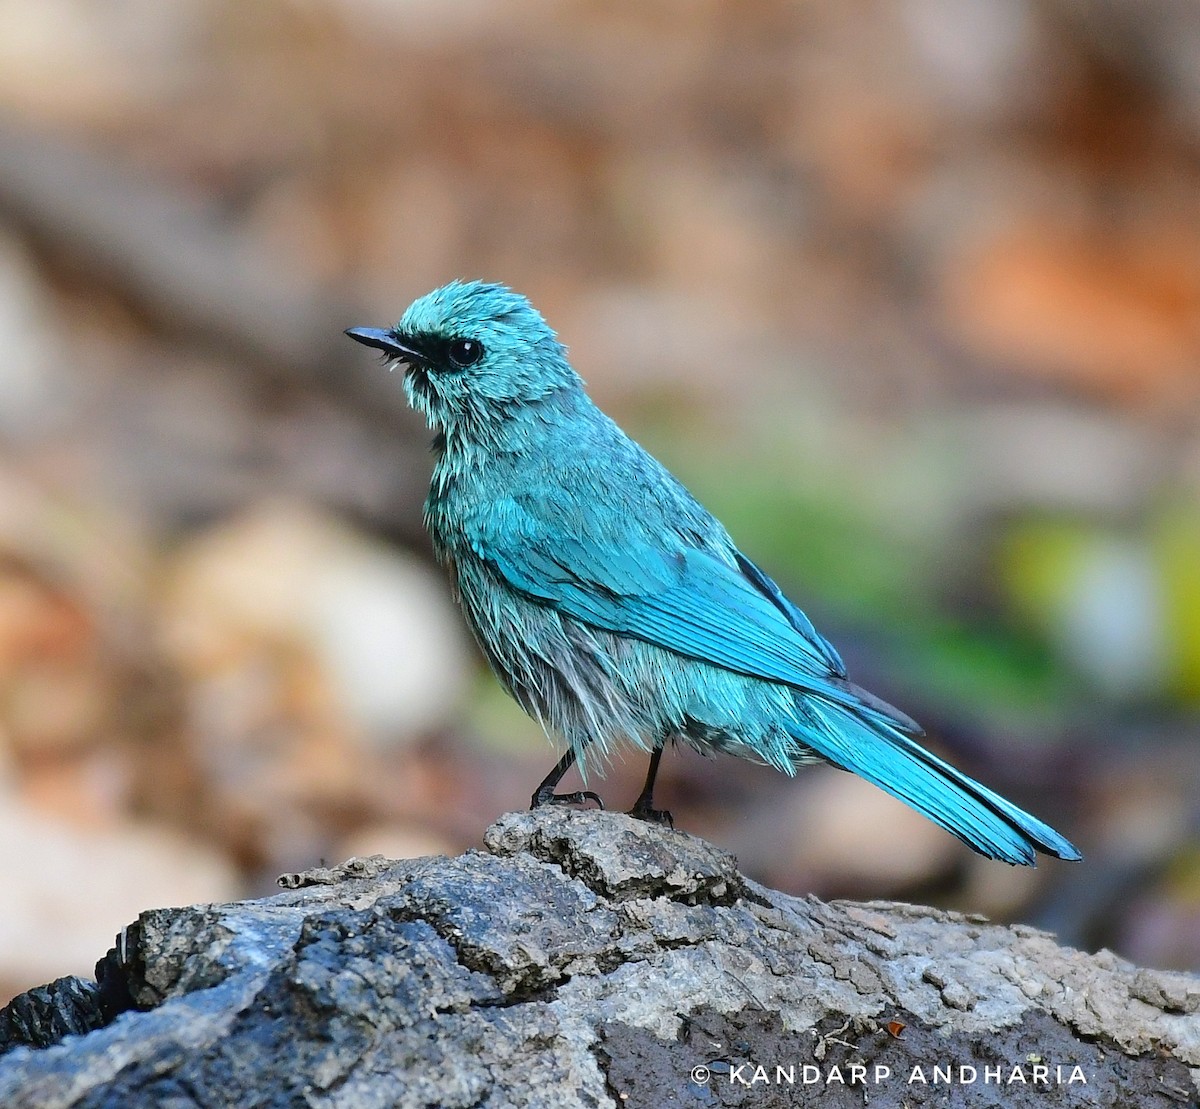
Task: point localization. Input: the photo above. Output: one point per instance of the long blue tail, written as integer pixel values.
(898, 765)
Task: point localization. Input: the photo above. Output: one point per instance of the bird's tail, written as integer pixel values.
(898, 765)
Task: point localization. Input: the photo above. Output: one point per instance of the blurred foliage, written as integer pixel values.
(1176, 546)
(1147, 645)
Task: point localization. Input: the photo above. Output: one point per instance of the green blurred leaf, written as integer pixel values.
(1177, 543)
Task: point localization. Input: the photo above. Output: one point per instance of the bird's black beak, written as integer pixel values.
(386, 341)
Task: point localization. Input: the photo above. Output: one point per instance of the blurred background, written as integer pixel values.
(907, 291)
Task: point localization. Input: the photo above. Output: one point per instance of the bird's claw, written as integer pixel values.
(579, 797)
(652, 816)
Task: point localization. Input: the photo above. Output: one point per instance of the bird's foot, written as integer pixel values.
(579, 797)
(652, 815)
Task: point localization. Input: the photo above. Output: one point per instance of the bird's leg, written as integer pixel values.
(545, 795)
(643, 807)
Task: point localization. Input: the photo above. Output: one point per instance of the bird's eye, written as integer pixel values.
(465, 352)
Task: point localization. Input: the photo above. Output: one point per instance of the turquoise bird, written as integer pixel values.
(613, 606)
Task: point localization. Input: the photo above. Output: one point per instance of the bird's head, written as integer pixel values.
(474, 353)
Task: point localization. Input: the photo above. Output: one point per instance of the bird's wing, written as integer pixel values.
(687, 599)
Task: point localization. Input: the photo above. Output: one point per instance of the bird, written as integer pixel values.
(613, 606)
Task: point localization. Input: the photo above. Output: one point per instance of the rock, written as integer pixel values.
(585, 958)
(68, 885)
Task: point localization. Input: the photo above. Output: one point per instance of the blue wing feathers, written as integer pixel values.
(795, 616)
(688, 600)
(697, 605)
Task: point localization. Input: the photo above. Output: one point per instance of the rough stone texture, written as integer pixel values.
(587, 959)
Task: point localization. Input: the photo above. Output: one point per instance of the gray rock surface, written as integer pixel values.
(587, 959)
